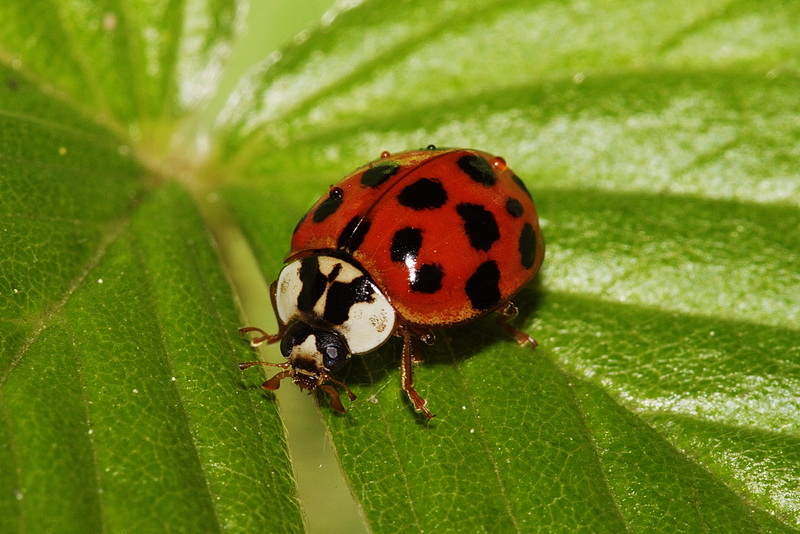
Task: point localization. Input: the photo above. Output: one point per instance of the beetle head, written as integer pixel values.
(311, 353)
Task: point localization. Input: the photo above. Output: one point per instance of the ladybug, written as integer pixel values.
(416, 240)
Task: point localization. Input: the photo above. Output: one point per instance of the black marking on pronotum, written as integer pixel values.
(334, 272)
(521, 185)
(314, 284)
(480, 225)
(478, 169)
(527, 246)
(329, 206)
(483, 287)
(427, 278)
(424, 194)
(514, 207)
(342, 296)
(376, 175)
(353, 234)
(406, 244)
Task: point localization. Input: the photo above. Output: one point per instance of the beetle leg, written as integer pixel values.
(506, 314)
(263, 337)
(410, 351)
(426, 336)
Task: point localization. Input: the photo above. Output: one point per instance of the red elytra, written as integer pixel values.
(444, 236)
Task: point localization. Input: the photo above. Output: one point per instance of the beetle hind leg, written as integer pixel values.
(506, 314)
(411, 354)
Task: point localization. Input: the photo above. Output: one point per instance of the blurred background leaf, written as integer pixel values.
(148, 194)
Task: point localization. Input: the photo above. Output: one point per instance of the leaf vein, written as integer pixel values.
(595, 448)
(92, 446)
(481, 432)
(186, 420)
(398, 459)
(117, 228)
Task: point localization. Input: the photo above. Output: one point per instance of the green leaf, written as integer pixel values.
(120, 402)
(660, 141)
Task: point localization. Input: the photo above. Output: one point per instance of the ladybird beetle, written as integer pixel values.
(412, 241)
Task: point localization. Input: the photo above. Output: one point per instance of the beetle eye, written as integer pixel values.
(333, 356)
(333, 349)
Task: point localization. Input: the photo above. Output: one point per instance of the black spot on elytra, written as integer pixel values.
(424, 194)
(478, 169)
(527, 246)
(353, 234)
(428, 278)
(521, 185)
(314, 284)
(514, 207)
(329, 205)
(480, 225)
(406, 244)
(342, 296)
(376, 175)
(483, 287)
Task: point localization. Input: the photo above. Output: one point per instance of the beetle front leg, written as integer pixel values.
(412, 353)
(264, 337)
